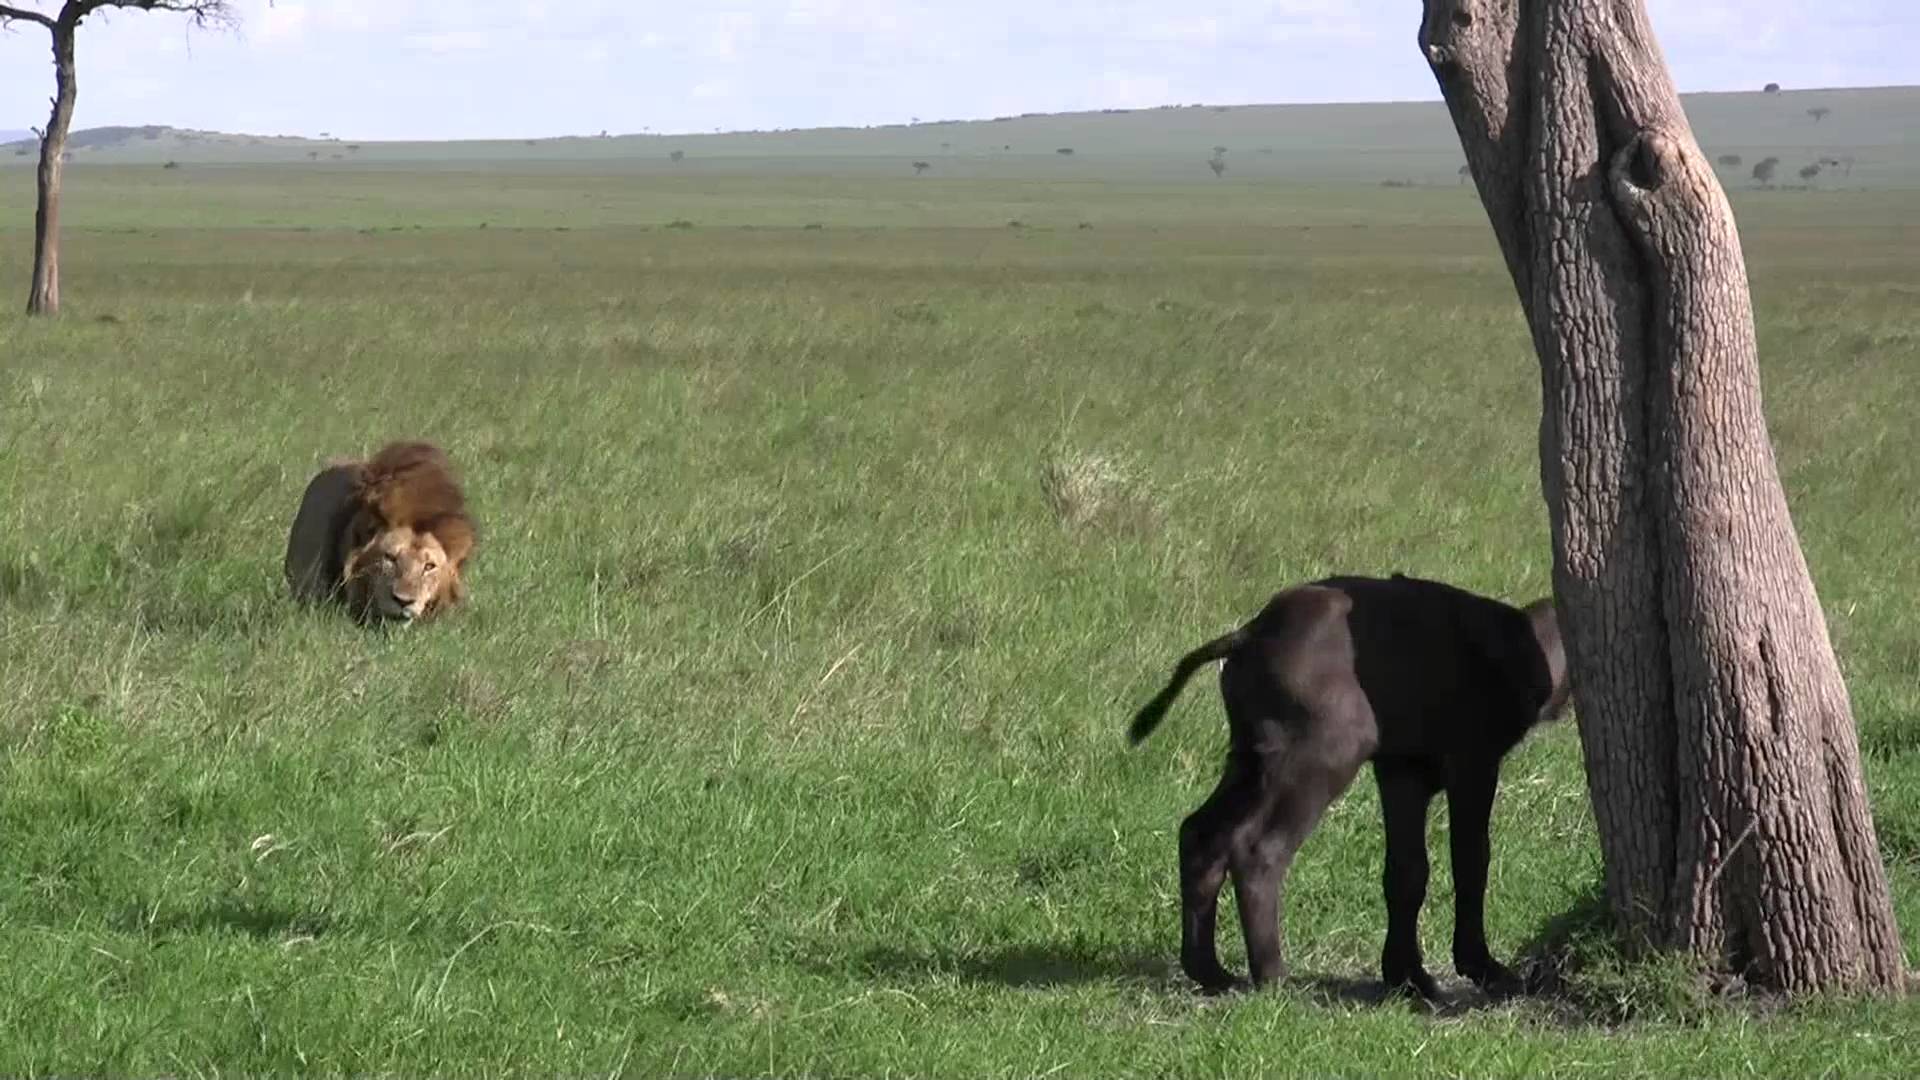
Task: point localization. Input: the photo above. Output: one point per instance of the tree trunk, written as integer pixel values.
(44, 299)
(1719, 742)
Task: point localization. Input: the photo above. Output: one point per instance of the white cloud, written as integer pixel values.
(280, 23)
(727, 34)
(452, 41)
(1204, 30)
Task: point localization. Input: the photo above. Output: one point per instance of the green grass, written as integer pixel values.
(783, 734)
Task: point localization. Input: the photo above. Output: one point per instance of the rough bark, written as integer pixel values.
(1718, 737)
(43, 297)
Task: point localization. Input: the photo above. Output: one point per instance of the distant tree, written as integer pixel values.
(351, 147)
(313, 155)
(1763, 170)
(1819, 113)
(1065, 151)
(1218, 165)
(1731, 161)
(677, 155)
(1771, 88)
(63, 25)
(326, 134)
(1465, 171)
(1808, 172)
(1218, 150)
(171, 165)
(921, 166)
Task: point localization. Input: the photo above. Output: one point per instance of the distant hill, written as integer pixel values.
(1864, 135)
(8, 135)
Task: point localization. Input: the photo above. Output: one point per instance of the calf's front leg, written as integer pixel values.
(1470, 794)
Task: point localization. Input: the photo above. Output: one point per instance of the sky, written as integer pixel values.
(433, 69)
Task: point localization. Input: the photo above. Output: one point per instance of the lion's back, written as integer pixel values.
(316, 543)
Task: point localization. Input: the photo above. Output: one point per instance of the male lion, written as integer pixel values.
(388, 536)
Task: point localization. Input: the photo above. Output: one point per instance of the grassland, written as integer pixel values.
(784, 732)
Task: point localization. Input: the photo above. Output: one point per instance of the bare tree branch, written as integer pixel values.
(215, 13)
(9, 13)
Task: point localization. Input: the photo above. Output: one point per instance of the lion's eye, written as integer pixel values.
(430, 566)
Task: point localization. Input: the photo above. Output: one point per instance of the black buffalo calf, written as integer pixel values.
(1431, 683)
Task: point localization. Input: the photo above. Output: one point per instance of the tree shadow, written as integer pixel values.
(1459, 997)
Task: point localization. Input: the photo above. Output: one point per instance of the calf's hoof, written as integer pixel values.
(1212, 979)
(1490, 975)
(1416, 983)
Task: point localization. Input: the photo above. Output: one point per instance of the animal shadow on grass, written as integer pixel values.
(1037, 966)
(230, 915)
(1029, 966)
(1548, 968)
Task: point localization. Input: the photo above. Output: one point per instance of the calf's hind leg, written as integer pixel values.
(1406, 791)
(1298, 786)
(1205, 837)
(1470, 792)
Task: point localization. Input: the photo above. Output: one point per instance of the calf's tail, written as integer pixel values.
(1150, 714)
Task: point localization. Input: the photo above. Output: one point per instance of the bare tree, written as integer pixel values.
(1731, 161)
(921, 166)
(1763, 169)
(1466, 171)
(63, 25)
(1819, 113)
(1721, 755)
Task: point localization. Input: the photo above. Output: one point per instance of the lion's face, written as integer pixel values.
(401, 574)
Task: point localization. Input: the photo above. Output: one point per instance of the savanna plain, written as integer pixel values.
(834, 521)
